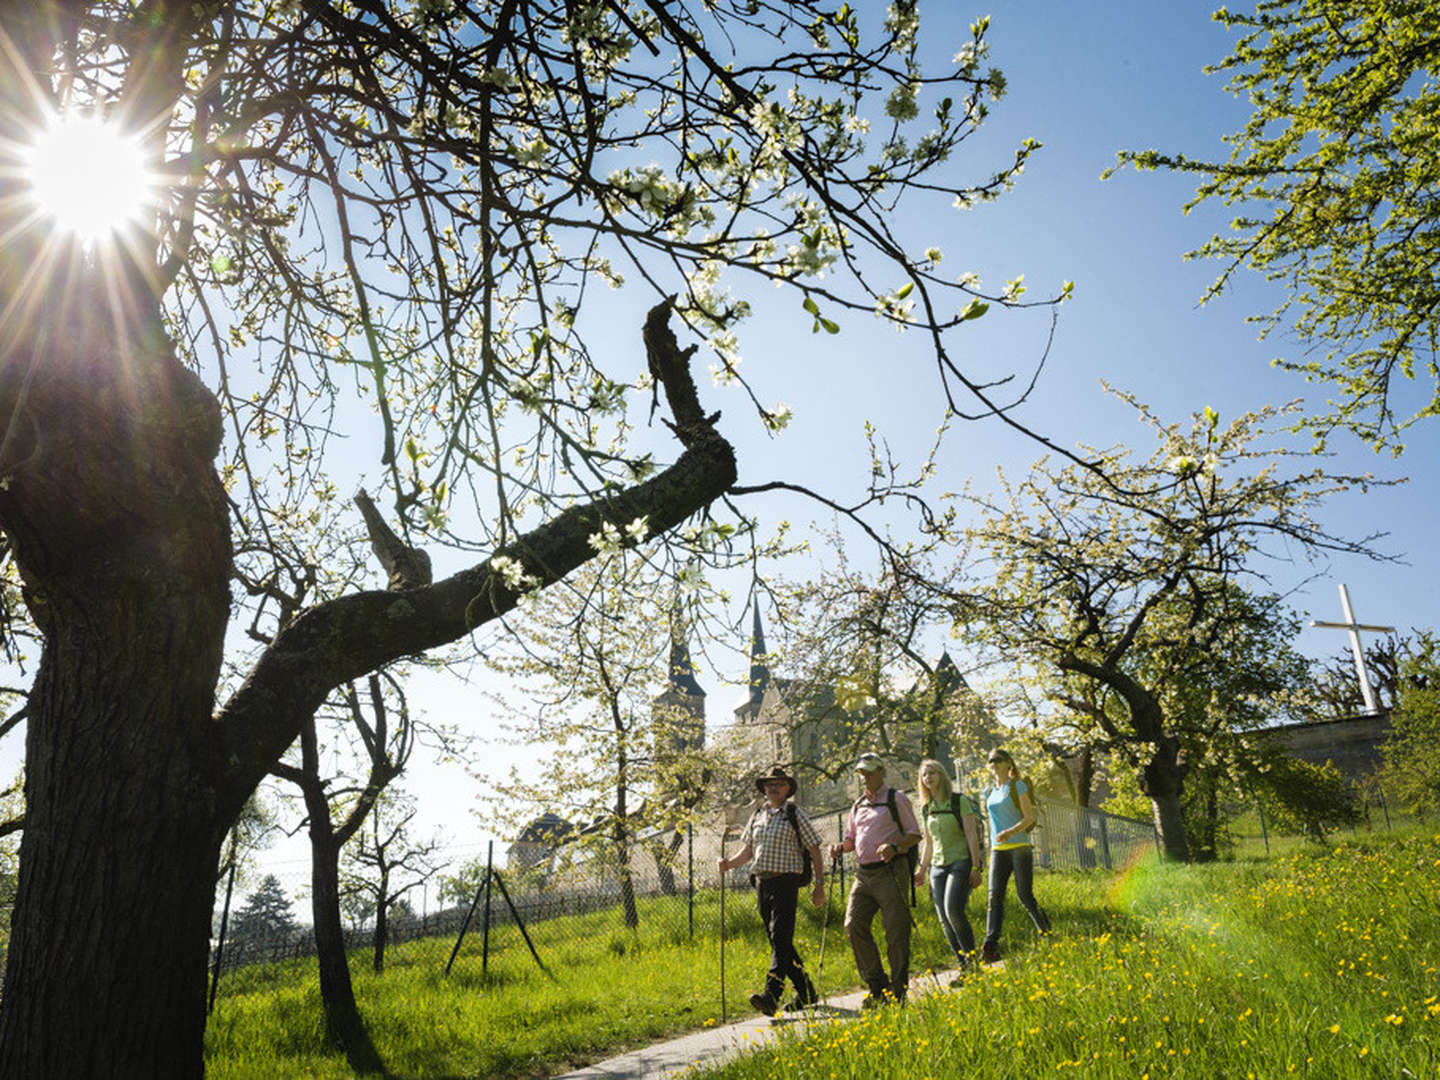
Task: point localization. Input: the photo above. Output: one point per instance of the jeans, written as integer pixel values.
(949, 890)
(1022, 861)
(778, 897)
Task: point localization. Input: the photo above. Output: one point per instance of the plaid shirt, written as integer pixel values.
(770, 834)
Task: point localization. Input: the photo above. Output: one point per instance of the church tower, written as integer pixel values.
(679, 710)
(749, 708)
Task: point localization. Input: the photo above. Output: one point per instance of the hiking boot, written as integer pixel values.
(765, 1003)
(874, 1001)
(990, 953)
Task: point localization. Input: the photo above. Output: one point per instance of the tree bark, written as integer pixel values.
(382, 923)
(1162, 780)
(120, 530)
(343, 1022)
(344, 1025)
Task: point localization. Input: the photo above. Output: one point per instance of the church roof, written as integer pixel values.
(545, 829)
(947, 676)
(759, 663)
(681, 673)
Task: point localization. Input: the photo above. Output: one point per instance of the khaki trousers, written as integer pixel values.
(878, 888)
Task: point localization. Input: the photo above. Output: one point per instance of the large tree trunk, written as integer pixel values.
(119, 527)
(120, 531)
(1163, 780)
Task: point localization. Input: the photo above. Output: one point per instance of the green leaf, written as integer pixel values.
(973, 310)
(904, 290)
(812, 307)
(830, 327)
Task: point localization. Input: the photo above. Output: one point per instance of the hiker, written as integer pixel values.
(880, 830)
(786, 849)
(949, 856)
(1011, 810)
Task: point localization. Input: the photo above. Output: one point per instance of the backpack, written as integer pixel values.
(1014, 793)
(807, 875)
(960, 805)
(912, 853)
(955, 806)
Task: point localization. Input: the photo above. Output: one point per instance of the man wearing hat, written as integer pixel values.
(881, 828)
(781, 840)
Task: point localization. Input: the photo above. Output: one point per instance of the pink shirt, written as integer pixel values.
(871, 824)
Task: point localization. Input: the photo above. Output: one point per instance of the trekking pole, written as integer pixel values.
(722, 931)
(825, 926)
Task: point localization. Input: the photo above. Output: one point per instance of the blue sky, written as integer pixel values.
(1085, 80)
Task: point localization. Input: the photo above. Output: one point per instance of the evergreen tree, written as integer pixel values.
(266, 913)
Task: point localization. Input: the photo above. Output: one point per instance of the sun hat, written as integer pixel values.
(777, 772)
(869, 763)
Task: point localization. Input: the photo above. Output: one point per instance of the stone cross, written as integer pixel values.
(1371, 706)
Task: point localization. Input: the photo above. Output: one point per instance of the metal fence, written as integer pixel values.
(670, 886)
(1083, 838)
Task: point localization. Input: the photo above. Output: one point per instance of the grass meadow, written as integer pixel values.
(613, 989)
(1319, 962)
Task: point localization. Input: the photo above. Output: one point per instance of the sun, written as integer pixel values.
(88, 176)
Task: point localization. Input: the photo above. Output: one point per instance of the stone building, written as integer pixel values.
(804, 726)
(537, 842)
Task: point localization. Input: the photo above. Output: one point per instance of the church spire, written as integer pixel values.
(759, 664)
(682, 671)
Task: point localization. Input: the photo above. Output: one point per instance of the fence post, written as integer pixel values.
(690, 872)
(1264, 832)
(220, 945)
(1380, 794)
(485, 939)
(1105, 838)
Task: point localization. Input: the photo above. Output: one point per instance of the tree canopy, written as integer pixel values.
(1148, 628)
(385, 232)
(1335, 178)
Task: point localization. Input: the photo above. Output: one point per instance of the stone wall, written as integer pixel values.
(1353, 743)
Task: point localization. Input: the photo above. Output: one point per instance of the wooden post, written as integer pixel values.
(220, 945)
(519, 922)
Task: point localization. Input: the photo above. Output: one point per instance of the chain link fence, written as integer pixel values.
(669, 887)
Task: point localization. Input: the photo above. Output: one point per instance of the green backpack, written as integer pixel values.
(960, 805)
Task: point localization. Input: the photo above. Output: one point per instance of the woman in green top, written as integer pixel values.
(950, 855)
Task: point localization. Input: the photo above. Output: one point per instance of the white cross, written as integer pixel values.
(1350, 624)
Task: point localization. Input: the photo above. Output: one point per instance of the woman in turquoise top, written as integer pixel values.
(950, 855)
(1011, 811)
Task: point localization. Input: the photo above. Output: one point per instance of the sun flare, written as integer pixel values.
(88, 176)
